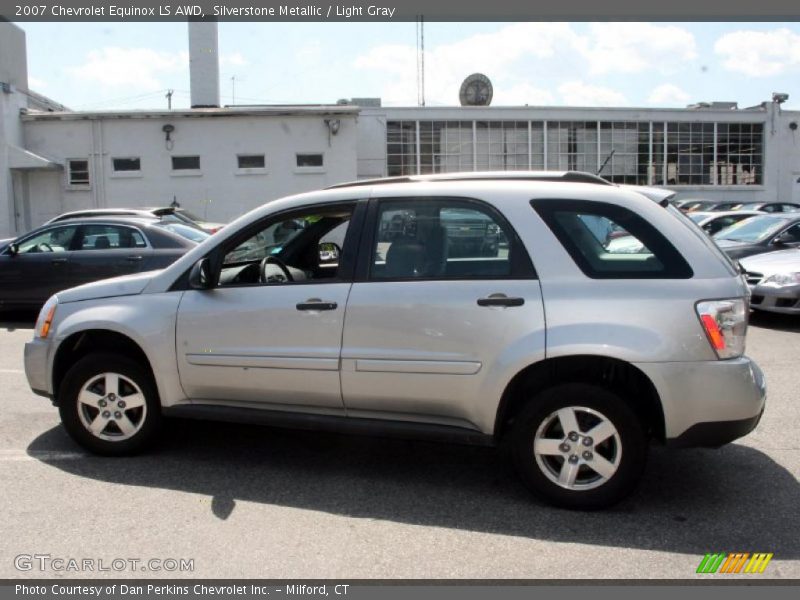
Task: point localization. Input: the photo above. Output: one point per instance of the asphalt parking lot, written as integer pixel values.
(245, 501)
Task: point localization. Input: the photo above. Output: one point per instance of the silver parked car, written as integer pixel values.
(774, 280)
(575, 356)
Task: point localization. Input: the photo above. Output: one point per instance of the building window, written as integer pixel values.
(78, 173)
(739, 154)
(632, 152)
(251, 161)
(126, 164)
(312, 160)
(185, 163)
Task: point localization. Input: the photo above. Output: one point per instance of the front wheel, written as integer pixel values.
(109, 405)
(579, 446)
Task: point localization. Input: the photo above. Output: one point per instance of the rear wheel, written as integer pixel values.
(109, 404)
(579, 446)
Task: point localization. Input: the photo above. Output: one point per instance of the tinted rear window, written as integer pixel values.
(611, 242)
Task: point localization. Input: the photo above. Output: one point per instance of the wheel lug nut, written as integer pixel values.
(117, 415)
(101, 403)
(112, 397)
(121, 404)
(565, 447)
(588, 455)
(573, 436)
(587, 441)
(573, 458)
(106, 414)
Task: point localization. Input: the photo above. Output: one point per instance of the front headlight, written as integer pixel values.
(783, 279)
(45, 318)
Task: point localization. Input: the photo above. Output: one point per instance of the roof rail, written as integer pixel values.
(563, 176)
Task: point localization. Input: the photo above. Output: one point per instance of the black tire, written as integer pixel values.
(147, 419)
(631, 444)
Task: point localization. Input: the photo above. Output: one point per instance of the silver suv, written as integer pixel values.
(572, 355)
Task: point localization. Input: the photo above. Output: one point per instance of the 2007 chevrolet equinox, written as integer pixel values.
(346, 309)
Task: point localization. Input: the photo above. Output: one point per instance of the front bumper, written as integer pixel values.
(36, 357)
(708, 403)
(780, 299)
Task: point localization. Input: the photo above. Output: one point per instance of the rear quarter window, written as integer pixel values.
(607, 241)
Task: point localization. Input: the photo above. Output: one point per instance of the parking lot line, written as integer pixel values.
(22, 455)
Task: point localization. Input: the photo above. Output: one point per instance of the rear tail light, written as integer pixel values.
(725, 325)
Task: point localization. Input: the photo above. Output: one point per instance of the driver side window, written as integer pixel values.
(57, 239)
(293, 248)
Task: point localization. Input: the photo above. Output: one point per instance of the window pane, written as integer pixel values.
(79, 172)
(52, 240)
(126, 164)
(181, 163)
(109, 237)
(438, 239)
(309, 160)
(251, 161)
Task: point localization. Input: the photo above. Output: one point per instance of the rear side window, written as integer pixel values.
(611, 242)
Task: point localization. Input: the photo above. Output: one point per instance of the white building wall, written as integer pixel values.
(13, 71)
(218, 192)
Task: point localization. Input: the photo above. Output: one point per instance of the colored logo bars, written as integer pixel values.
(735, 562)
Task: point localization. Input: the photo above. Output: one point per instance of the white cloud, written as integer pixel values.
(578, 93)
(36, 83)
(137, 68)
(668, 94)
(637, 47)
(522, 93)
(516, 55)
(759, 53)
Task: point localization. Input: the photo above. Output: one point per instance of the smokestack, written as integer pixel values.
(204, 64)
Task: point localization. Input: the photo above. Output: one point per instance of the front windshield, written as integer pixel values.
(751, 231)
(190, 233)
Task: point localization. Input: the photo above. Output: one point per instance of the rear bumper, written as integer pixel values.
(714, 434)
(708, 403)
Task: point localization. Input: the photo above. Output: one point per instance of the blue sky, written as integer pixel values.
(131, 65)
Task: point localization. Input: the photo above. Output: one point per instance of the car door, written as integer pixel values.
(260, 339)
(103, 250)
(429, 333)
(40, 267)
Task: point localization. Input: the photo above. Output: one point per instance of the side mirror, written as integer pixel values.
(329, 252)
(784, 238)
(200, 275)
(13, 249)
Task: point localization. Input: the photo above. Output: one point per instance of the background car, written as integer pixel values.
(768, 207)
(757, 235)
(68, 253)
(170, 214)
(695, 204)
(774, 280)
(712, 222)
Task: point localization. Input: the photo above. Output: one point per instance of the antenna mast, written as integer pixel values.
(421, 60)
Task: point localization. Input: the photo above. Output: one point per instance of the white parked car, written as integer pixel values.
(576, 355)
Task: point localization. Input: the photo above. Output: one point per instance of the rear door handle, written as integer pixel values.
(58, 261)
(316, 304)
(500, 300)
(133, 258)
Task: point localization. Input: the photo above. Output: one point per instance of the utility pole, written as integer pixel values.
(233, 89)
(169, 99)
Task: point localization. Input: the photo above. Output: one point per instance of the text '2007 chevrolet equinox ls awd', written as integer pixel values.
(574, 356)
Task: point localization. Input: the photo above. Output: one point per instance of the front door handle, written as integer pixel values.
(316, 304)
(500, 300)
(135, 258)
(58, 261)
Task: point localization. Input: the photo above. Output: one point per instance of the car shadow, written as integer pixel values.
(690, 501)
(776, 321)
(12, 320)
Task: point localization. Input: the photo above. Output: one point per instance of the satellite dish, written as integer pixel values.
(476, 91)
